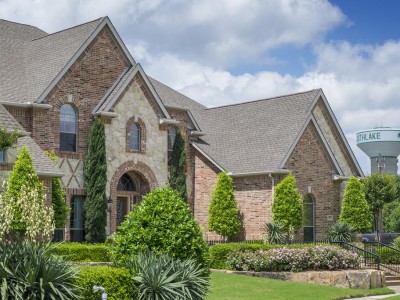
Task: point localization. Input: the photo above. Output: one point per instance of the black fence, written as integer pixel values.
(288, 242)
(58, 235)
(369, 259)
(389, 256)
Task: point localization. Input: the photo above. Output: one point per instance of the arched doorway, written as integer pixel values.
(131, 188)
(309, 218)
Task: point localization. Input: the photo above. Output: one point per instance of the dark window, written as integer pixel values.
(2, 156)
(308, 218)
(171, 141)
(68, 121)
(134, 137)
(76, 220)
(126, 184)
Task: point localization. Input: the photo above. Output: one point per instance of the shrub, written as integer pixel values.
(177, 179)
(388, 256)
(355, 210)
(161, 223)
(287, 208)
(275, 233)
(295, 260)
(29, 271)
(223, 211)
(162, 277)
(219, 253)
(116, 281)
(83, 252)
(396, 243)
(341, 232)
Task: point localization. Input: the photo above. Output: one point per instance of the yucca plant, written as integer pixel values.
(275, 233)
(341, 232)
(29, 271)
(165, 278)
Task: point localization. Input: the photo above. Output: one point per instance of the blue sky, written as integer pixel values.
(228, 51)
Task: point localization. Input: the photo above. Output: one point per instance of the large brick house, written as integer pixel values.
(53, 85)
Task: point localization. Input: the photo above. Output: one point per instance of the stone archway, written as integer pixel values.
(142, 173)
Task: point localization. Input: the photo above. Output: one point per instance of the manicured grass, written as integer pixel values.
(394, 298)
(239, 287)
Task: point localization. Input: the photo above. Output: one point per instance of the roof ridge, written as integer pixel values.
(21, 24)
(53, 33)
(265, 99)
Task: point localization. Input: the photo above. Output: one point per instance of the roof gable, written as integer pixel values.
(8, 122)
(253, 137)
(122, 84)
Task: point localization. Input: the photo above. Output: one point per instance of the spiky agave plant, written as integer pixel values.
(341, 232)
(165, 278)
(275, 233)
(29, 271)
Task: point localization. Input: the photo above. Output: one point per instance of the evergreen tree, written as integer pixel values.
(95, 173)
(25, 196)
(177, 179)
(287, 208)
(58, 196)
(355, 210)
(223, 216)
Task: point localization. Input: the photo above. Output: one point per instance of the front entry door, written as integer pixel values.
(122, 208)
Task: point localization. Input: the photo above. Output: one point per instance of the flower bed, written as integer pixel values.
(295, 260)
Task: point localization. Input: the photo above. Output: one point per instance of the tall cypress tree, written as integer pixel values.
(95, 172)
(177, 179)
(223, 211)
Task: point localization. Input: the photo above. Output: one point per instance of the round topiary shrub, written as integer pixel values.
(161, 223)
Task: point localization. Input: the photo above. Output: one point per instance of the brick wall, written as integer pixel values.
(310, 164)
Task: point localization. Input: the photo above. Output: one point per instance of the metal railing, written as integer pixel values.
(369, 259)
(389, 256)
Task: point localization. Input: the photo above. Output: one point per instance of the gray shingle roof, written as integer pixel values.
(41, 162)
(30, 58)
(253, 136)
(172, 98)
(8, 122)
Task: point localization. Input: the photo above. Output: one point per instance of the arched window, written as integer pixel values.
(171, 141)
(68, 128)
(134, 137)
(126, 184)
(308, 218)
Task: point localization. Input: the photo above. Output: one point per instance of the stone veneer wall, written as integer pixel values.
(151, 163)
(310, 164)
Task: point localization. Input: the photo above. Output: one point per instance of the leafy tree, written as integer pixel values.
(7, 139)
(23, 209)
(161, 223)
(60, 208)
(379, 189)
(177, 179)
(391, 212)
(355, 210)
(287, 208)
(22, 174)
(223, 213)
(95, 173)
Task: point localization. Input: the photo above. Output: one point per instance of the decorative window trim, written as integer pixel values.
(142, 135)
(76, 128)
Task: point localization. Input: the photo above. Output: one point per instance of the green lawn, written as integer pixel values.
(237, 287)
(394, 298)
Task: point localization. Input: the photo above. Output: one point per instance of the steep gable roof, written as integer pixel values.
(8, 122)
(35, 61)
(253, 137)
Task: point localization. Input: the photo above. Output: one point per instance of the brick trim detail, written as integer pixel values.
(142, 137)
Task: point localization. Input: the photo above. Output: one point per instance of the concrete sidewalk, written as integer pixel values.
(395, 288)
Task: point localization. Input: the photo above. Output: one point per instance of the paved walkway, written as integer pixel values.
(395, 288)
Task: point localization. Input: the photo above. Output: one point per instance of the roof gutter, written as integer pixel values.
(278, 171)
(168, 121)
(49, 174)
(27, 105)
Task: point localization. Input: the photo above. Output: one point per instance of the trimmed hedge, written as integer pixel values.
(220, 252)
(83, 252)
(117, 282)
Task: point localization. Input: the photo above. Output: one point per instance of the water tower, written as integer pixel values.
(382, 145)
